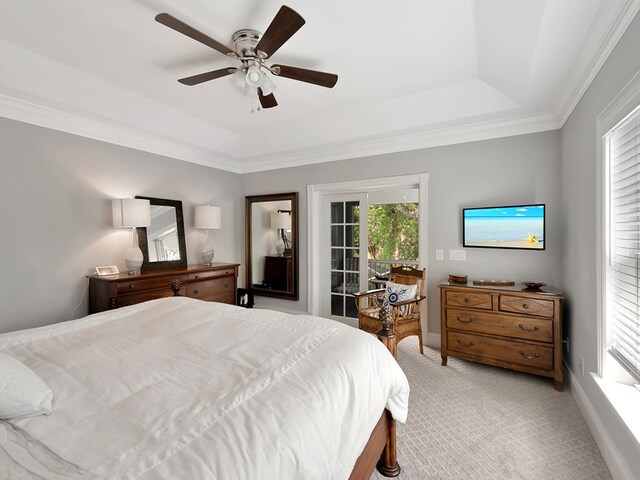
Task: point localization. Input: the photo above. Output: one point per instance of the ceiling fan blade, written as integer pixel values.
(282, 27)
(205, 77)
(310, 76)
(179, 26)
(267, 101)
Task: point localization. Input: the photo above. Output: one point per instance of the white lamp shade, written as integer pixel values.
(208, 216)
(280, 220)
(131, 212)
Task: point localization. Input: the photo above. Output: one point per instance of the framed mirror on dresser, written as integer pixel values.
(272, 244)
(163, 243)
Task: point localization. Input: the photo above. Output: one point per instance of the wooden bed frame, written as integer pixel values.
(380, 450)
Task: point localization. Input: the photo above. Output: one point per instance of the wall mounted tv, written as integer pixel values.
(515, 226)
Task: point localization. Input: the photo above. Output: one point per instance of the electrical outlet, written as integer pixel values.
(459, 255)
(439, 254)
(581, 365)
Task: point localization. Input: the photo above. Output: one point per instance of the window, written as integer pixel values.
(623, 239)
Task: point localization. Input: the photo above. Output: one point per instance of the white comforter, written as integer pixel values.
(182, 389)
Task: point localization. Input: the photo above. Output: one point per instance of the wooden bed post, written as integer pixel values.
(388, 464)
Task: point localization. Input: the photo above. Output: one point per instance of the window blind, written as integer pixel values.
(623, 271)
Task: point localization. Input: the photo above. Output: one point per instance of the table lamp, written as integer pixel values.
(209, 217)
(132, 213)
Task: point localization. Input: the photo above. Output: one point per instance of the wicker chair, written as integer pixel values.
(405, 315)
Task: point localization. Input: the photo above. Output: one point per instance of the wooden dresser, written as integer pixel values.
(278, 273)
(216, 283)
(508, 327)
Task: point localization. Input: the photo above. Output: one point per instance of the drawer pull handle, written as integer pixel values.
(466, 300)
(525, 306)
(226, 300)
(226, 285)
(195, 292)
(467, 345)
(132, 286)
(464, 320)
(529, 357)
(534, 329)
(197, 276)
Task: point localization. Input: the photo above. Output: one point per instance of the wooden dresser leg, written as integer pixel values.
(444, 360)
(558, 385)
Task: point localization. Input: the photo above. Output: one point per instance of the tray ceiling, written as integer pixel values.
(412, 74)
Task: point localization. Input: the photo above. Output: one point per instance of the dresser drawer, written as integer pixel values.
(149, 284)
(227, 272)
(216, 286)
(529, 306)
(534, 356)
(135, 298)
(228, 297)
(469, 300)
(536, 329)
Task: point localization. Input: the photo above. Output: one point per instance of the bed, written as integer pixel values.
(180, 388)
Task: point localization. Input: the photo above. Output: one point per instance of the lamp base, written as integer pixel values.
(207, 253)
(133, 260)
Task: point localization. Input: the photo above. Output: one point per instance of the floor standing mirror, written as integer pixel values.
(272, 245)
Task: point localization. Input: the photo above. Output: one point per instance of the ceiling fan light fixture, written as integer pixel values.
(268, 87)
(250, 91)
(238, 80)
(254, 76)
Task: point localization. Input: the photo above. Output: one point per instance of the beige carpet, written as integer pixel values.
(475, 422)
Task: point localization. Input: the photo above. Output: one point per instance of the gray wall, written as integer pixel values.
(55, 206)
(506, 171)
(579, 149)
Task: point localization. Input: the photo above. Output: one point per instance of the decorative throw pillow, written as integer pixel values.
(397, 292)
(22, 392)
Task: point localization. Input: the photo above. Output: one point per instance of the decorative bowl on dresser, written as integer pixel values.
(510, 327)
(216, 283)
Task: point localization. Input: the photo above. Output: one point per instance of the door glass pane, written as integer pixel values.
(337, 282)
(353, 212)
(337, 236)
(353, 235)
(350, 307)
(337, 259)
(352, 284)
(337, 212)
(337, 305)
(352, 259)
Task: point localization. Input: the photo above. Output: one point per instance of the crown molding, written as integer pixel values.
(615, 32)
(112, 132)
(404, 141)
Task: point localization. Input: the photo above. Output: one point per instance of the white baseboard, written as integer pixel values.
(433, 340)
(615, 462)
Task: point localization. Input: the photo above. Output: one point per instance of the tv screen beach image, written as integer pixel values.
(505, 227)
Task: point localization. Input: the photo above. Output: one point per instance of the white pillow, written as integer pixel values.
(398, 292)
(22, 392)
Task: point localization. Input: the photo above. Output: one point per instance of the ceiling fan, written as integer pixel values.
(253, 48)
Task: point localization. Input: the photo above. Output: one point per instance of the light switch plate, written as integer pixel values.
(439, 254)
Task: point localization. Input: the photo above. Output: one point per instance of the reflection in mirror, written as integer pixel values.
(162, 235)
(272, 250)
(162, 243)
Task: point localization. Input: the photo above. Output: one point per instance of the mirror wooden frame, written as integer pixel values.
(143, 243)
(249, 201)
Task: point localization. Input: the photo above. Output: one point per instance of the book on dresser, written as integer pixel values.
(510, 327)
(215, 283)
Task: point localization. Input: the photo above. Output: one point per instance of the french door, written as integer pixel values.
(344, 269)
